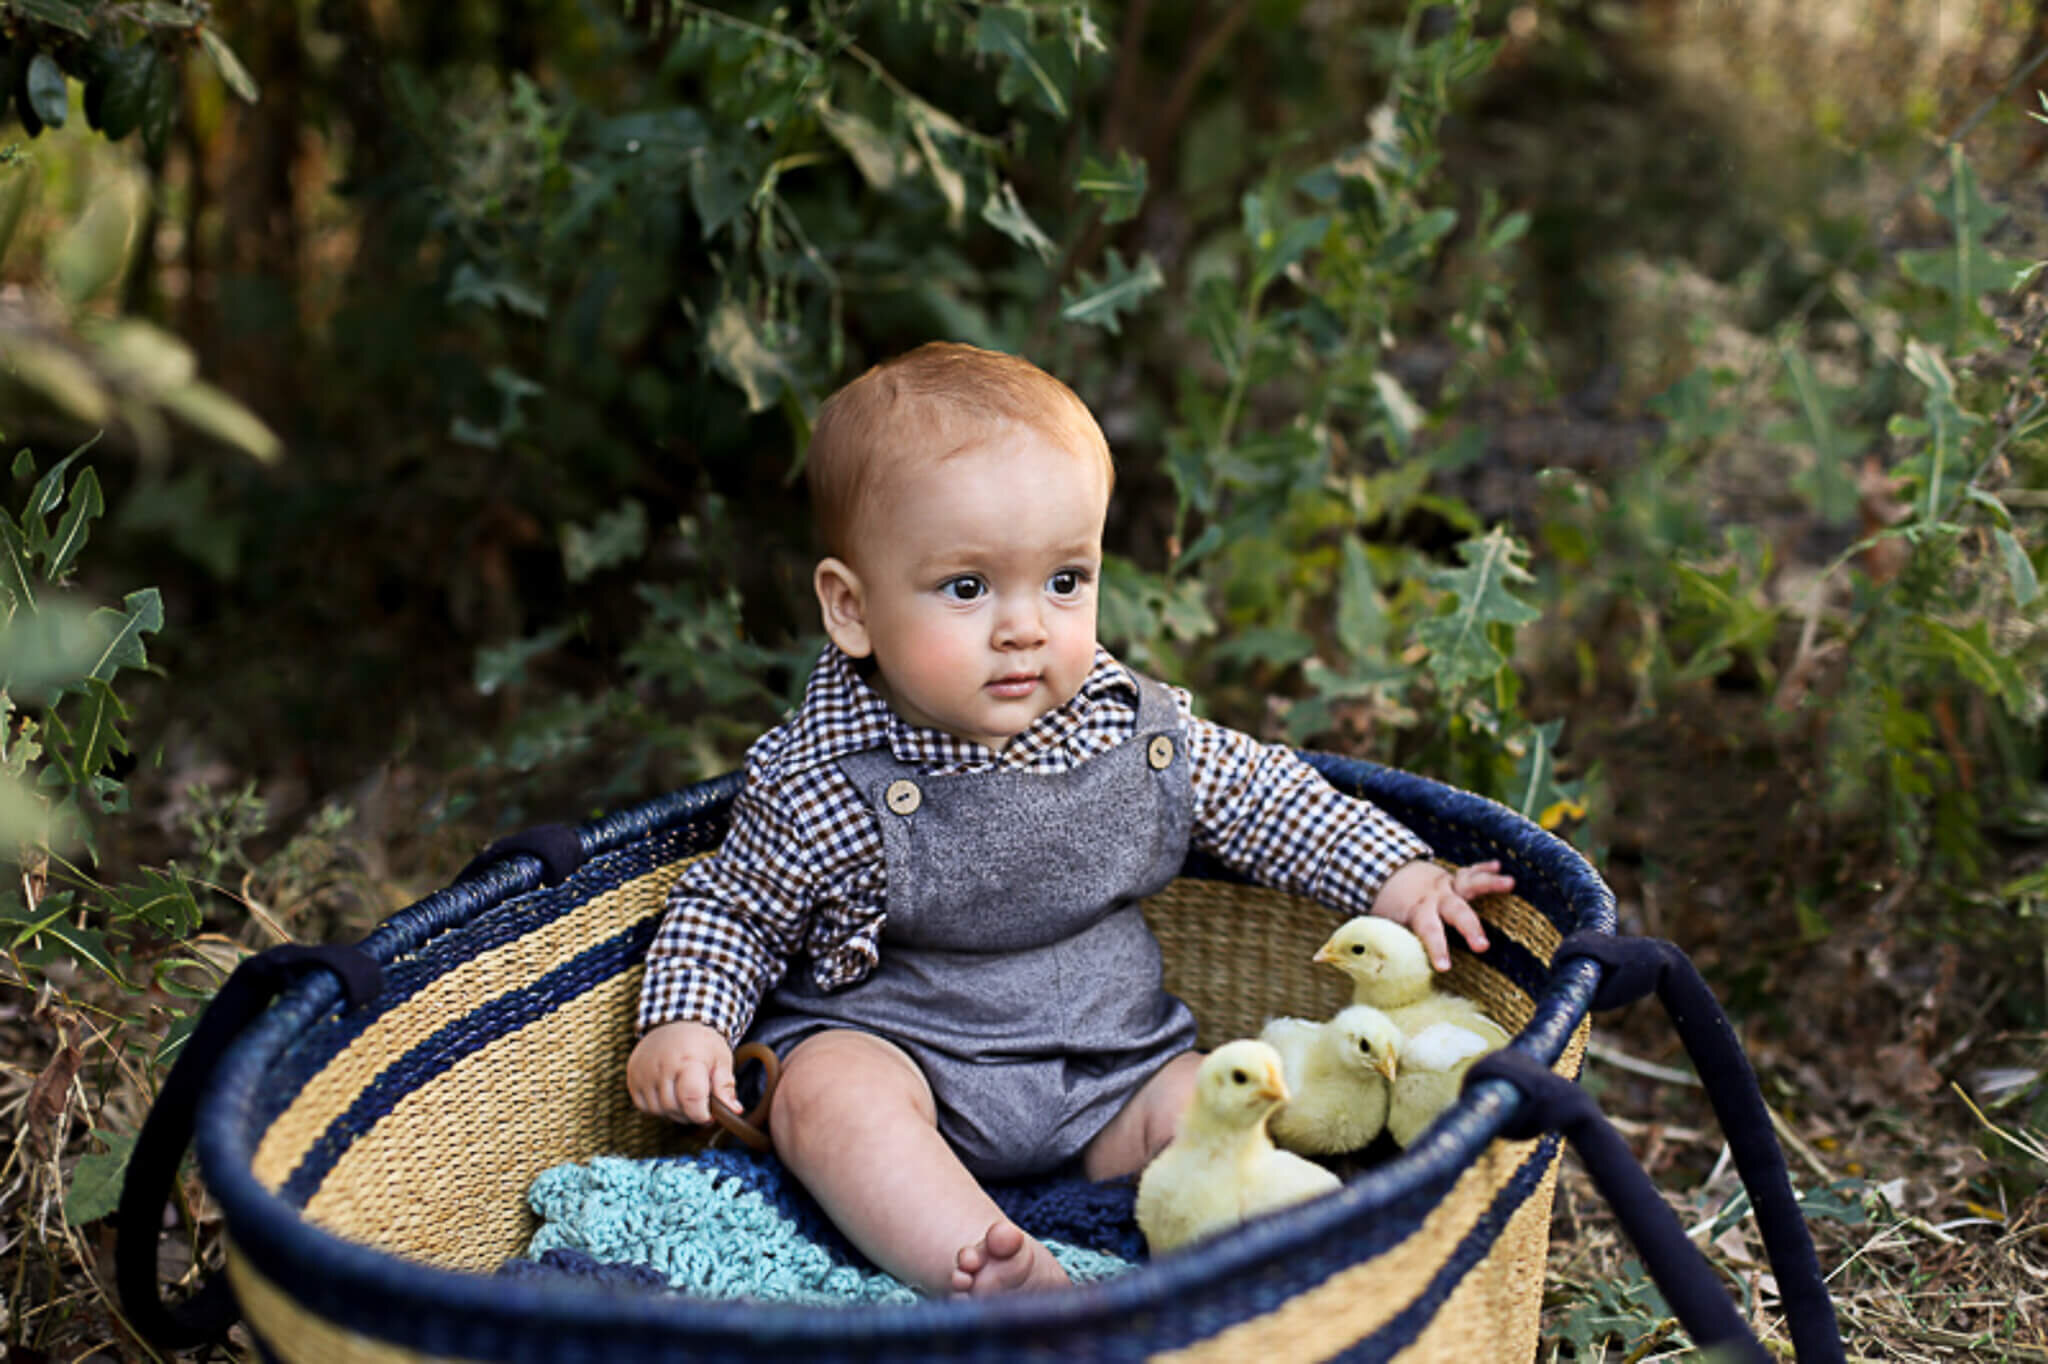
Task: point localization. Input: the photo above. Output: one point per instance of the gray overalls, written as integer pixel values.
(1016, 968)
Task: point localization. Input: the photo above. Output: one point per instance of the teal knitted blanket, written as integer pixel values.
(725, 1224)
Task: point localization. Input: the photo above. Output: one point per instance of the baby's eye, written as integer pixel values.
(1067, 582)
(963, 588)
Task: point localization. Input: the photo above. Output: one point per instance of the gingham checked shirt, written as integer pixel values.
(801, 870)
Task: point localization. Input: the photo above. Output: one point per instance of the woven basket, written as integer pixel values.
(372, 1162)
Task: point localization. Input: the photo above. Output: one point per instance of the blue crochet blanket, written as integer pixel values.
(731, 1224)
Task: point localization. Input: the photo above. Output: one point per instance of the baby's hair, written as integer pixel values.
(924, 405)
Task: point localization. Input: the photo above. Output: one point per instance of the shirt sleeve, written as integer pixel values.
(733, 921)
(1263, 812)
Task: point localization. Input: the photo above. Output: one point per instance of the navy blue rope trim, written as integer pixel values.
(461, 1036)
(1553, 1103)
(167, 1130)
(557, 847)
(1636, 967)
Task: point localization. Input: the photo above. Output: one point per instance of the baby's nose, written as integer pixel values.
(1019, 625)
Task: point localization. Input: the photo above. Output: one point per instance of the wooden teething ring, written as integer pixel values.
(750, 1128)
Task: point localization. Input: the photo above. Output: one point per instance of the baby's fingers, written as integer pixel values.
(1429, 926)
(1459, 913)
(723, 1086)
(1481, 878)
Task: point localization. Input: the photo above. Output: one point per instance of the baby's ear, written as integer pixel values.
(843, 606)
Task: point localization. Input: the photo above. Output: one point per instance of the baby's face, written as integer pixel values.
(978, 581)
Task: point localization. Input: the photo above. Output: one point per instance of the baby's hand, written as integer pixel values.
(677, 1067)
(1424, 897)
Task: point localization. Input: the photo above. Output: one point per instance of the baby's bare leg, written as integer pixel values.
(1146, 1123)
(853, 1119)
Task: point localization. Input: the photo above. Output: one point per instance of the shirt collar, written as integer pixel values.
(842, 714)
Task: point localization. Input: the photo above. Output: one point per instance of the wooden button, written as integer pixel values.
(903, 796)
(1159, 752)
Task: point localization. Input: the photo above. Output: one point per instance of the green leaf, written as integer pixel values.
(1004, 211)
(1537, 793)
(1415, 237)
(1361, 616)
(143, 614)
(96, 734)
(159, 104)
(212, 411)
(232, 72)
(1273, 251)
(1099, 303)
(86, 504)
(57, 937)
(737, 353)
(48, 93)
(2019, 569)
(1041, 69)
(1404, 415)
(1691, 409)
(1508, 231)
(48, 494)
(16, 568)
(130, 77)
(161, 899)
(504, 665)
(616, 537)
(96, 1179)
(1459, 642)
(1990, 503)
(1829, 485)
(1982, 662)
(471, 285)
(951, 184)
(1273, 646)
(1120, 188)
(69, 15)
(874, 155)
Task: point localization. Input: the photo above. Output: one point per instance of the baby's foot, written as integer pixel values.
(1005, 1261)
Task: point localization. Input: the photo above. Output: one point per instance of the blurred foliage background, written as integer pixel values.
(1633, 412)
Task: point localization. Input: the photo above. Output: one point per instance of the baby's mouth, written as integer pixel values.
(1014, 686)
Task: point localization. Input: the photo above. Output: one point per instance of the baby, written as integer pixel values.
(948, 841)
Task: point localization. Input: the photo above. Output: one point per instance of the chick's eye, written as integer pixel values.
(964, 588)
(1358, 949)
(1238, 1077)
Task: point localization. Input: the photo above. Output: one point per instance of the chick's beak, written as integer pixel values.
(1388, 1065)
(1273, 1085)
(1325, 954)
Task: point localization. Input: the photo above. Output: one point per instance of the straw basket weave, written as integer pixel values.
(371, 1162)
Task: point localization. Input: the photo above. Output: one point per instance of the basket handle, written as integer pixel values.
(557, 847)
(167, 1130)
(1634, 968)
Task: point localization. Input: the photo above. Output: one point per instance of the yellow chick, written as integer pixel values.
(1338, 1075)
(1222, 1167)
(1390, 970)
(1433, 1066)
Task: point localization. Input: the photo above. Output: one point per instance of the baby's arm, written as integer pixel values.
(676, 1067)
(1262, 810)
(1424, 897)
(731, 923)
